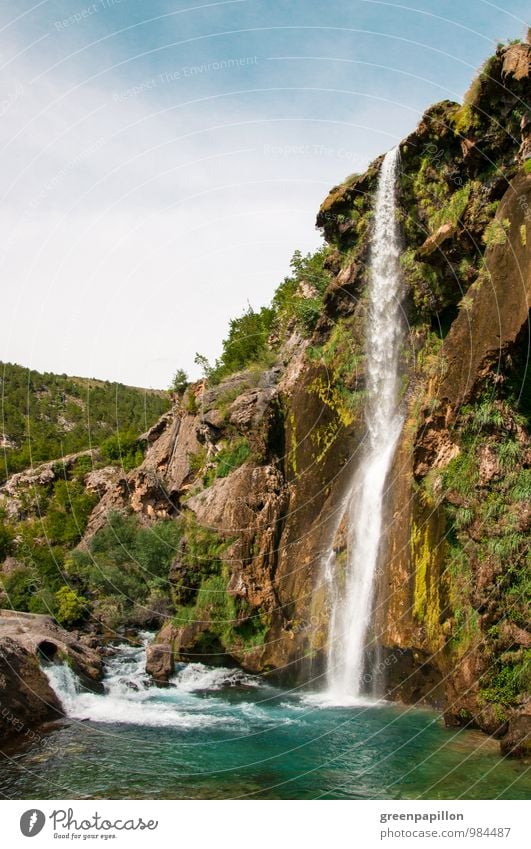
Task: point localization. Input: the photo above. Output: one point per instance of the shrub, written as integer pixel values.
(228, 459)
(71, 607)
(245, 344)
(507, 683)
(122, 449)
(67, 512)
(6, 539)
(19, 586)
(290, 301)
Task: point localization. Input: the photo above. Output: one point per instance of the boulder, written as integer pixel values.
(159, 661)
(26, 698)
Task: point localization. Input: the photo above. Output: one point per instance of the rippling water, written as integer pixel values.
(219, 733)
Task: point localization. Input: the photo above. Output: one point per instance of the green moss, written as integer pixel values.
(341, 359)
(465, 119)
(426, 595)
(423, 282)
(461, 474)
(292, 456)
(460, 582)
(221, 613)
(496, 232)
(453, 210)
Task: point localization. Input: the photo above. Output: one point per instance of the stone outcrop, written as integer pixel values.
(12, 492)
(284, 515)
(26, 697)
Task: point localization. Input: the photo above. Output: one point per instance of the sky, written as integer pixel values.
(163, 160)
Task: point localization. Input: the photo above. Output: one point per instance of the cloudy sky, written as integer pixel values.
(162, 159)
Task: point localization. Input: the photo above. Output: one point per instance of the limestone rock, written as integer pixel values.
(517, 61)
(441, 235)
(159, 661)
(25, 694)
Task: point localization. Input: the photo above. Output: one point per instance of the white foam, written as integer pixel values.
(331, 700)
(196, 676)
(131, 698)
(121, 704)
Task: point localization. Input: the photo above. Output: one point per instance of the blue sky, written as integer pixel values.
(163, 160)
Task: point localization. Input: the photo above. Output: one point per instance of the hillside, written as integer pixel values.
(45, 416)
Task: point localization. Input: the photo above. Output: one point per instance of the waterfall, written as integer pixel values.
(351, 593)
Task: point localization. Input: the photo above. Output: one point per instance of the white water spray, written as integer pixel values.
(351, 595)
(131, 698)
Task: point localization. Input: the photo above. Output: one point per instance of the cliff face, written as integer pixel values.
(450, 609)
(252, 470)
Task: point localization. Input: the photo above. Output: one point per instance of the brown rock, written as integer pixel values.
(40, 635)
(159, 661)
(517, 741)
(442, 234)
(26, 697)
(250, 408)
(517, 61)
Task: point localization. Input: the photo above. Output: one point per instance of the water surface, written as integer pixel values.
(219, 733)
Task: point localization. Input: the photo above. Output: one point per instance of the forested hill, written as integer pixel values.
(45, 416)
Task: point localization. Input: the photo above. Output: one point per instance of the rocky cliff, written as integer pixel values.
(249, 468)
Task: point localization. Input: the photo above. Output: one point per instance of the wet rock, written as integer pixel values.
(516, 742)
(43, 638)
(26, 698)
(159, 661)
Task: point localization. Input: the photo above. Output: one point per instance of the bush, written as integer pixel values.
(248, 339)
(507, 683)
(228, 459)
(19, 587)
(71, 607)
(67, 512)
(6, 539)
(246, 343)
(122, 449)
(289, 300)
(126, 563)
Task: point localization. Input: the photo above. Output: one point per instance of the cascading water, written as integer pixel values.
(351, 595)
(131, 698)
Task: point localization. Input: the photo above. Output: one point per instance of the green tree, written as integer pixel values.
(71, 607)
(180, 381)
(122, 449)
